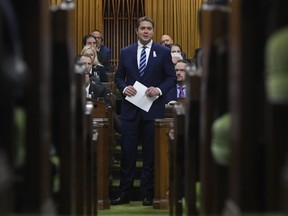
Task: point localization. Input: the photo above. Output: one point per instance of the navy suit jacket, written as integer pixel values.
(171, 95)
(159, 72)
(106, 51)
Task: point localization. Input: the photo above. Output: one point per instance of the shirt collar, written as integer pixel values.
(178, 86)
(149, 45)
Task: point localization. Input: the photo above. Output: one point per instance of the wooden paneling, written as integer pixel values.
(120, 17)
(116, 20)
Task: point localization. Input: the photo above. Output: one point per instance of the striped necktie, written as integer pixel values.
(142, 63)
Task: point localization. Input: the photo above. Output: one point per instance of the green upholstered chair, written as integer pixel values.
(276, 55)
(220, 143)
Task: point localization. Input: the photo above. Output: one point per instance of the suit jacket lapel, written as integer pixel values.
(134, 57)
(151, 57)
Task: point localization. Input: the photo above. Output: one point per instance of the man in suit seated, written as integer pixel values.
(166, 40)
(179, 92)
(99, 44)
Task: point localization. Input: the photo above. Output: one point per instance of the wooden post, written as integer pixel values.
(176, 191)
(91, 161)
(102, 126)
(247, 101)
(161, 191)
(213, 103)
(34, 188)
(63, 107)
(80, 146)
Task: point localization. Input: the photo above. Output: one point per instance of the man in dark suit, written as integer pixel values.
(99, 43)
(103, 49)
(150, 64)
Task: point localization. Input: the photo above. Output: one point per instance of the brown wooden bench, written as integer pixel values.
(103, 166)
(101, 127)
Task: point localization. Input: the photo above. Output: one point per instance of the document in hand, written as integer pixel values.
(140, 99)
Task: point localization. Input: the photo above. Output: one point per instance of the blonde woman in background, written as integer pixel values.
(98, 69)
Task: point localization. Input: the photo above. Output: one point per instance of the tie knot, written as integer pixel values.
(144, 47)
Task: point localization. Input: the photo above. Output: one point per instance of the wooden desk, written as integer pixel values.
(102, 149)
(161, 178)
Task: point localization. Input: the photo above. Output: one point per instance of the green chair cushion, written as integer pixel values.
(220, 143)
(276, 55)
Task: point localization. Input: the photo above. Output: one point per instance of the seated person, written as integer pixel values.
(95, 90)
(176, 48)
(180, 89)
(166, 40)
(176, 57)
(92, 41)
(99, 43)
(88, 52)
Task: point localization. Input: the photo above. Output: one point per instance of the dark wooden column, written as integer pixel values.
(34, 192)
(91, 161)
(176, 191)
(10, 128)
(247, 101)
(63, 106)
(191, 148)
(213, 103)
(80, 146)
(277, 152)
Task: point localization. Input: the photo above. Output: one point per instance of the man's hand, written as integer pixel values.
(152, 91)
(130, 91)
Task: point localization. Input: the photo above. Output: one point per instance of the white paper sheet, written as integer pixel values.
(140, 99)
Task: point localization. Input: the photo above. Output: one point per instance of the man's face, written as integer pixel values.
(145, 32)
(98, 37)
(166, 40)
(180, 71)
(87, 62)
(91, 41)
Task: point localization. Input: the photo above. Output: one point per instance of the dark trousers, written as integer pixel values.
(134, 132)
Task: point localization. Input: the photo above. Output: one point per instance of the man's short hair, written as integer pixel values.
(84, 39)
(144, 18)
